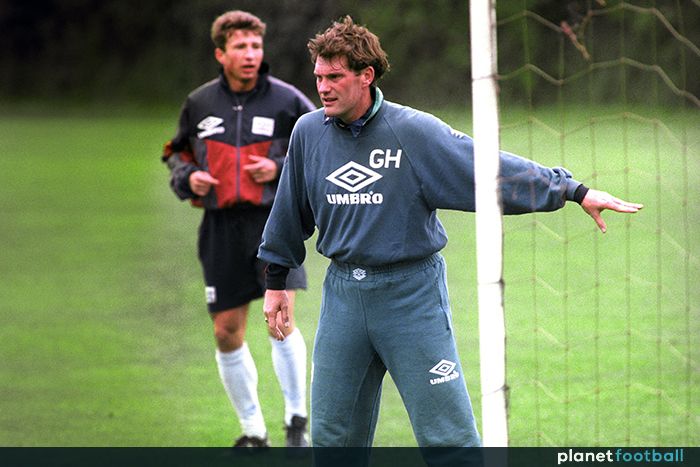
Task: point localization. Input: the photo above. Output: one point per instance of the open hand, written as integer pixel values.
(596, 202)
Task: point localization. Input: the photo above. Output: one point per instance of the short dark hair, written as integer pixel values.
(358, 44)
(234, 20)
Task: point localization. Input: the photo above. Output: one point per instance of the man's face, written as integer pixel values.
(242, 58)
(344, 93)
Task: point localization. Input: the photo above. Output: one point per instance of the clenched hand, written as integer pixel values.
(201, 182)
(262, 170)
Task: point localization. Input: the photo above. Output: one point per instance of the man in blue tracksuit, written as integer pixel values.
(369, 175)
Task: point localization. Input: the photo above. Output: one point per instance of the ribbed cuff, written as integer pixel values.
(580, 193)
(276, 277)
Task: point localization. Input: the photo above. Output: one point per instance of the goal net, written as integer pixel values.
(602, 329)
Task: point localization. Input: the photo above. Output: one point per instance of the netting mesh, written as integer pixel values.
(603, 329)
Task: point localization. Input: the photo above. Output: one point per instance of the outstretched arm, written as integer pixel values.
(596, 202)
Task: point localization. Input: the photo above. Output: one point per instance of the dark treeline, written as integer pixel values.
(155, 51)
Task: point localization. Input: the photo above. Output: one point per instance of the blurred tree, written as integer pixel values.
(132, 49)
(156, 51)
(428, 47)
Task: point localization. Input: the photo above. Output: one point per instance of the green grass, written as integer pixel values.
(106, 341)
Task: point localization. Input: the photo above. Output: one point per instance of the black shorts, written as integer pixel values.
(228, 247)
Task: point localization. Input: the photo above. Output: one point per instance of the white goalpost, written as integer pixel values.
(489, 224)
(606, 89)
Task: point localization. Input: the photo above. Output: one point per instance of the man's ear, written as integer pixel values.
(219, 54)
(367, 76)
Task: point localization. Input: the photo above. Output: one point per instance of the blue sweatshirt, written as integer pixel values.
(372, 191)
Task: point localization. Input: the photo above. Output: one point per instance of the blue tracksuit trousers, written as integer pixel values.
(394, 318)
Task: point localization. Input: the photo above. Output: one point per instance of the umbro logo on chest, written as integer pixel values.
(353, 177)
(210, 125)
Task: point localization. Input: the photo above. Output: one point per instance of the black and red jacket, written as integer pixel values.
(218, 131)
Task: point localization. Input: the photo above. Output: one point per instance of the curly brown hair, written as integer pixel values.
(225, 24)
(358, 44)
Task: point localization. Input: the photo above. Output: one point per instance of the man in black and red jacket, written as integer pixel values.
(226, 157)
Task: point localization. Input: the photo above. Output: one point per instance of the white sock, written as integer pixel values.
(289, 361)
(240, 379)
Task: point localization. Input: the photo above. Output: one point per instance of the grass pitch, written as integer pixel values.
(106, 341)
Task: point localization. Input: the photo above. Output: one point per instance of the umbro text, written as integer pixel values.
(444, 379)
(355, 198)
